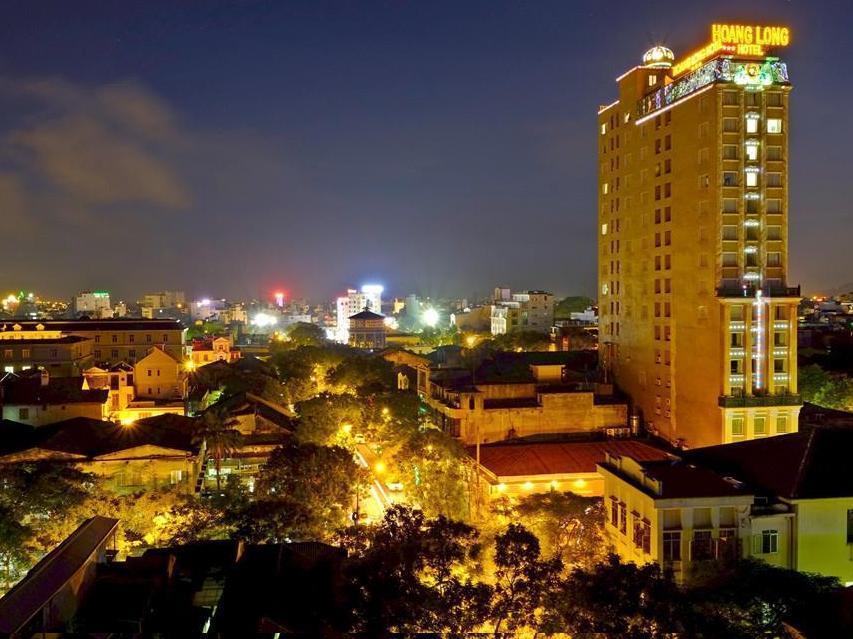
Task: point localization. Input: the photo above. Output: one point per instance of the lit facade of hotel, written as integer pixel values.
(698, 321)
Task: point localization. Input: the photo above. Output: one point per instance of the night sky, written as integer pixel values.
(229, 148)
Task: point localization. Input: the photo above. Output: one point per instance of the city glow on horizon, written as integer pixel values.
(264, 320)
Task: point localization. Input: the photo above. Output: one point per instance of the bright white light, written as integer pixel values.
(430, 317)
(262, 320)
(391, 322)
(204, 302)
(372, 289)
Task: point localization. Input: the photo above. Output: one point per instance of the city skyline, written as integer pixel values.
(406, 145)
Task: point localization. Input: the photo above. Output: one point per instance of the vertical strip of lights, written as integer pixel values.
(759, 340)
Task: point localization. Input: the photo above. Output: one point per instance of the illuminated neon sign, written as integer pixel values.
(735, 39)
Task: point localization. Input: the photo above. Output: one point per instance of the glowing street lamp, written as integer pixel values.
(430, 317)
(379, 468)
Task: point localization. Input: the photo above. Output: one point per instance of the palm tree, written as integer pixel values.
(216, 430)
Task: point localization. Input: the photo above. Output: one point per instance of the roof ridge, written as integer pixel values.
(798, 478)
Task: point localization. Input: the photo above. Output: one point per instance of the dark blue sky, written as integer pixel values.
(439, 147)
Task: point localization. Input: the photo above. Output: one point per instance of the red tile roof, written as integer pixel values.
(519, 458)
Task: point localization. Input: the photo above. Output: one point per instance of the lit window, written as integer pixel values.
(760, 425)
(769, 542)
(653, 80)
(603, 129)
(752, 124)
(752, 178)
(774, 125)
(737, 426)
(605, 188)
(604, 229)
(752, 151)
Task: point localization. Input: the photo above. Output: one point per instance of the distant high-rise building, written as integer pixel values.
(91, 303)
(527, 311)
(369, 298)
(697, 321)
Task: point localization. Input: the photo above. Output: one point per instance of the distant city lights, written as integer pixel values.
(430, 317)
(264, 320)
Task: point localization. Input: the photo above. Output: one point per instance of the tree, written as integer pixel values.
(216, 431)
(568, 526)
(621, 600)
(267, 520)
(321, 479)
(751, 598)
(322, 418)
(362, 374)
(305, 334)
(572, 304)
(522, 579)
(825, 389)
(410, 573)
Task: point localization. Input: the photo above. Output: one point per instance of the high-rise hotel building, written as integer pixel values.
(698, 321)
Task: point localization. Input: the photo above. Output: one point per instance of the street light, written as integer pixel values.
(471, 341)
(379, 468)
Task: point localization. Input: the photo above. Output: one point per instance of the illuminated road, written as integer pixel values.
(379, 499)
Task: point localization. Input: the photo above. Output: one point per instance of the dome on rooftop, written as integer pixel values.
(658, 57)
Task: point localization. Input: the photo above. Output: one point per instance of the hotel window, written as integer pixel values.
(736, 340)
(667, 285)
(729, 178)
(737, 426)
(667, 166)
(25, 353)
(752, 233)
(752, 98)
(774, 259)
(672, 545)
(774, 125)
(752, 152)
(667, 262)
(759, 426)
(751, 123)
(729, 152)
(774, 232)
(131, 338)
(653, 80)
(729, 205)
(779, 365)
(704, 181)
(623, 518)
(774, 98)
(769, 542)
(774, 179)
(730, 233)
(729, 259)
(97, 339)
(751, 259)
(605, 188)
(603, 129)
(604, 229)
(752, 206)
(781, 423)
(667, 143)
(701, 546)
(774, 152)
(735, 366)
(23, 414)
(614, 512)
(148, 338)
(752, 178)
(730, 98)
(667, 213)
(730, 125)
(115, 339)
(667, 238)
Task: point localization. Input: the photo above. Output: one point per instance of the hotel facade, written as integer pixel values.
(698, 320)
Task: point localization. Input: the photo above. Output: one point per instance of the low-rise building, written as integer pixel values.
(516, 469)
(36, 399)
(367, 330)
(118, 381)
(518, 395)
(159, 376)
(787, 500)
(61, 355)
(115, 340)
(527, 311)
(148, 454)
(211, 349)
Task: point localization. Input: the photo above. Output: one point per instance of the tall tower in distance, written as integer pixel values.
(698, 321)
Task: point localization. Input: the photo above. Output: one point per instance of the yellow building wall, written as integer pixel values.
(821, 537)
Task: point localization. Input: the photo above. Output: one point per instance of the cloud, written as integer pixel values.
(105, 149)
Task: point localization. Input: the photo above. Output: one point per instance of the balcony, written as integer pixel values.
(749, 290)
(759, 401)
